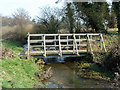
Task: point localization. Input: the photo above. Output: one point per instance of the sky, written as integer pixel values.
(7, 7)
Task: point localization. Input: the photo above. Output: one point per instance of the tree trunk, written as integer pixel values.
(116, 7)
(118, 23)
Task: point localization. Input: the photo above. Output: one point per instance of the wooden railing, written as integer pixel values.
(61, 44)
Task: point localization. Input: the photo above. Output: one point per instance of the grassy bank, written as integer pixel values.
(96, 70)
(93, 71)
(16, 72)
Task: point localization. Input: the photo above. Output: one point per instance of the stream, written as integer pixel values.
(64, 76)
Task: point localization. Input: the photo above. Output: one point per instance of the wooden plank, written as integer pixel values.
(62, 48)
(36, 53)
(55, 52)
(64, 34)
(36, 41)
(35, 46)
(62, 40)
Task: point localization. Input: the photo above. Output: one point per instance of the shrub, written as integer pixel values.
(112, 60)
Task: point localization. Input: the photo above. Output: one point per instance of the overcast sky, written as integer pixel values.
(7, 7)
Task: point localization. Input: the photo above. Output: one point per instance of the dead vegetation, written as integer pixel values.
(7, 53)
(13, 32)
(45, 75)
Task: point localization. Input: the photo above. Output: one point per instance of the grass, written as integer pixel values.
(19, 73)
(93, 71)
(96, 68)
(13, 45)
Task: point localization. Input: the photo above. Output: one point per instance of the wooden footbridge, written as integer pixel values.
(46, 45)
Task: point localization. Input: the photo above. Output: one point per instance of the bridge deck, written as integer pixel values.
(55, 52)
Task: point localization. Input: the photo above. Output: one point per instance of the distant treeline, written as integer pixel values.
(74, 17)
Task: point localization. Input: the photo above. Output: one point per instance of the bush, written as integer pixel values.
(112, 60)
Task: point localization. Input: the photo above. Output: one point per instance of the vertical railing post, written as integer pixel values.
(103, 43)
(67, 40)
(90, 44)
(60, 52)
(55, 42)
(28, 45)
(42, 41)
(44, 46)
(75, 43)
(87, 45)
(79, 41)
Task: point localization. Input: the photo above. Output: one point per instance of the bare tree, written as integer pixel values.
(51, 19)
(21, 19)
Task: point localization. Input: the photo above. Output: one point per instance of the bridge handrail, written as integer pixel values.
(63, 34)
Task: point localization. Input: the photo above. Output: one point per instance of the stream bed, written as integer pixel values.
(64, 76)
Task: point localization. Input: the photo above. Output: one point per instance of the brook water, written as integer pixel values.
(64, 75)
